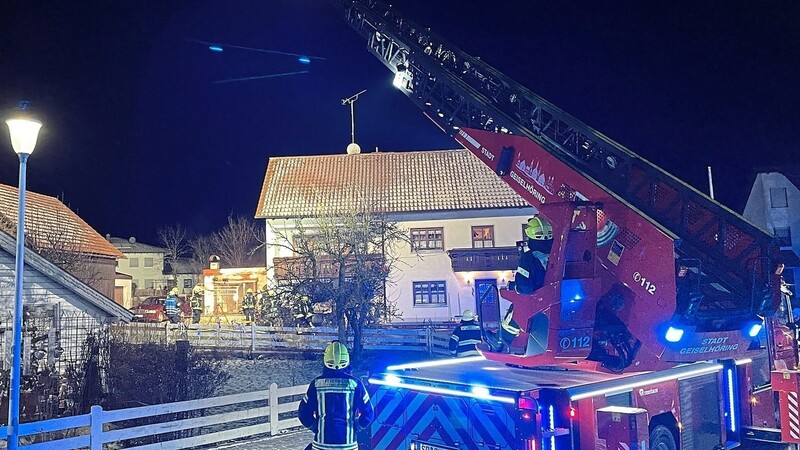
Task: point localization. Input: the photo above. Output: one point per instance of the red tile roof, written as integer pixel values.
(46, 216)
(441, 180)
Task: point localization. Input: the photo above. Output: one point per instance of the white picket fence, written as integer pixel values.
(260, 338)
(213, 420)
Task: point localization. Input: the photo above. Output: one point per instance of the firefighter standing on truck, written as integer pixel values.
(195, 302)
(466, 336)
(533, 261)
(336, 404)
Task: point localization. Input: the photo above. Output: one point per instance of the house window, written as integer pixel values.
(133, 262)
(483, 236)
(430, 293)
(148, 284)
(777, 198)
(148, 262)
(427, 238)
(784, 236)
(187, 283)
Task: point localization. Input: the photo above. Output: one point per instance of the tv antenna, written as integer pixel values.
(352, 148)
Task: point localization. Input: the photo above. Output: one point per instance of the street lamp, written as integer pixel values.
(23, 130)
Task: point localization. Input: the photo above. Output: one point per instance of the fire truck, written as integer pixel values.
(660, 323)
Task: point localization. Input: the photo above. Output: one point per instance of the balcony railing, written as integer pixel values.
(300, 268)
(483, 259)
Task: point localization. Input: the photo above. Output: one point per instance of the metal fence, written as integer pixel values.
(255, 339)
(218, 419)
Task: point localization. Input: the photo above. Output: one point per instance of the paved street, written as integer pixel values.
(290, 441)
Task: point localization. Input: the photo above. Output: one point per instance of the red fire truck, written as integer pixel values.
(660, 323)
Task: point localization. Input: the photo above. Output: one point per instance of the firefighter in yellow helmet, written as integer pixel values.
(533, 261)
(466, 336)
(336, 404)
(196, 302)
(249, 305)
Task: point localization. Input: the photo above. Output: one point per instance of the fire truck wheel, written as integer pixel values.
(662, 439)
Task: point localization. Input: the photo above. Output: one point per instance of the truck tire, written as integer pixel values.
(662, 439)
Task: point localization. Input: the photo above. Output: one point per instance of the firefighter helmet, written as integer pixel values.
(198, 288)
(467, 315)
(249, 291)
(174, 291)
(539, 229)
(336, 356)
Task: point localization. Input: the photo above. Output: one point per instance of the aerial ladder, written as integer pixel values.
(646, 272)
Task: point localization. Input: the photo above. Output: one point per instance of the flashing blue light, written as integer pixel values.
(215, 48)
(480, 391)
(755, 329)
(673, 334)
(304, 60)
(392, 380)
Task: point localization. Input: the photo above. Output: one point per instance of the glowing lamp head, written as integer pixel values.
(573, 413)
(674, 334)
(24, 132)
(754, 329)
(215, 48)
(392, 380)
(304, 60)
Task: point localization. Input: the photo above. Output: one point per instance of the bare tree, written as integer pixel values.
(202, 247)
(344, 256)
(174, 239)
(237, 241)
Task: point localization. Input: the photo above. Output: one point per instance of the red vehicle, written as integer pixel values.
(152, 309)
(656, 325)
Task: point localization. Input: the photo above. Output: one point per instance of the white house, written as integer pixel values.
(774, 205)
(144, 263)
(461, 217)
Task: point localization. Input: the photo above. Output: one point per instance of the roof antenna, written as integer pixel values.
(352, 148)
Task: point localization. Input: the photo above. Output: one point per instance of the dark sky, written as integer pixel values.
(138, 136)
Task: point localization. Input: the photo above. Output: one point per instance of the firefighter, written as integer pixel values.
(303, 312)
(269, 307)
(249, 305)
(171, 306)
(533, 261)
(336, 404)
(195, 302)
(466, 337)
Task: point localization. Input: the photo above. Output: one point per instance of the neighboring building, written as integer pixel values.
(58, 234)
(463, 219)
(144, 263)
(69, 305)
(774, 205)
(123, 290)
(183, 273)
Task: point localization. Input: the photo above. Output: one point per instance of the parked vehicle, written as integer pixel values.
(152, 309)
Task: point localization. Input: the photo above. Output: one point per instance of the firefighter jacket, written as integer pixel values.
(194, 300)
(335, 407)
(465, 339)
(530, 273)
(171, 306)
(249, 301)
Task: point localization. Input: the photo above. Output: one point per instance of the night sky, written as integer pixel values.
(137, 135)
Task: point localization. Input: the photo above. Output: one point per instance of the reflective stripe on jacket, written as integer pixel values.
(465, 339)
(335, 406)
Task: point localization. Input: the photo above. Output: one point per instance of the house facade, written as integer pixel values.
(462, 220)
(59, 235)
(774, 205)
(144, 263)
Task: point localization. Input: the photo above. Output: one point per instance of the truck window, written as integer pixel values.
(623, 399)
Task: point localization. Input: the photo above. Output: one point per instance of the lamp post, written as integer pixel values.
(24, 131)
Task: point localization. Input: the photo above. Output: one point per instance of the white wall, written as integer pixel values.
(142, 273)
(432, 265)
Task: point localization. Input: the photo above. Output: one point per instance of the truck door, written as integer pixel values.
(487, 305)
